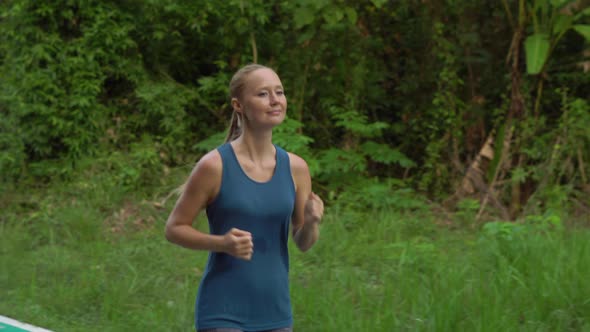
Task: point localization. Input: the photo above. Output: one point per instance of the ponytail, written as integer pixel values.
(235, 127)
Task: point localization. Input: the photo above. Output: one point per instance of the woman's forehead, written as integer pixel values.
(262, 78)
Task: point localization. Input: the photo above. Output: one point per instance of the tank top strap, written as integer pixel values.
(284, 165)
(228, 160)
(224, 151)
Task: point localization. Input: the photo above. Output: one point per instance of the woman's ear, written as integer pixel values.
(235, 104)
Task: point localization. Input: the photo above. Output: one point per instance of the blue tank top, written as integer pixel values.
(249, 295)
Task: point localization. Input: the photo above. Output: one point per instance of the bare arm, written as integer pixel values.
(309, 208)
(201, 188)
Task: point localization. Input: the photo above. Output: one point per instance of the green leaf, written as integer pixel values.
(303, 16)
(307, 35)
(333, 15)
(519, 175)
(562, 23)
(378, 3)
(537, 50)
(211, 142)
(287, 136)
(335, 161)
(356, 122)
(351, 14)
(584, 30)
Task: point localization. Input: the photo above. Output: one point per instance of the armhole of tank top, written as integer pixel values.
(288, 162)
(214, 200)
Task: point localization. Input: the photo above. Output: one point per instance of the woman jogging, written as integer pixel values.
(253, 192)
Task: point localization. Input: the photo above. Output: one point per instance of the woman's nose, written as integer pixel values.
(273, 98)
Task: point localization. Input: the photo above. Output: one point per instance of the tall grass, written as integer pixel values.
(92, 257)
(371, 279)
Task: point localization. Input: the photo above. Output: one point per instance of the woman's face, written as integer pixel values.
(263, 102)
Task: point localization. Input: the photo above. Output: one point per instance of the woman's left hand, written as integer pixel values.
(314, 209)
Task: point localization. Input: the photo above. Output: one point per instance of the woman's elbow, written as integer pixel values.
(169, 233)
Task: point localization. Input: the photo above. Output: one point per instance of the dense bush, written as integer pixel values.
(377, 89)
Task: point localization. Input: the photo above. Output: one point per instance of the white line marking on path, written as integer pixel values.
(21, 325)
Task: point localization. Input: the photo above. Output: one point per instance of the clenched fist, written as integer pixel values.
(314, 208)
(238, 243)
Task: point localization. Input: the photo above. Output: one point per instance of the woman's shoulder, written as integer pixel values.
(298, 164)
(209, 164)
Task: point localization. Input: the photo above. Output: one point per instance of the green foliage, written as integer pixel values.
(502, 230)
(548, 222)
(377, 195)
(162, 112)
(559, 157)
(356, 123)
(388, 90)
(443, 121)
(288, 136)
(467, 210)
(583, 29)
(550, 23)
(384, 154)
(141, 168)
(53, 77)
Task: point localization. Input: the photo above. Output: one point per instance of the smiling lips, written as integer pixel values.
(276, 112)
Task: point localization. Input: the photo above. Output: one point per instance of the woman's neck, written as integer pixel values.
(256, 146)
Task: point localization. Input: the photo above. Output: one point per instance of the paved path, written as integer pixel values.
(11, 325)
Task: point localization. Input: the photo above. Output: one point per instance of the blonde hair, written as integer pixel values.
(236, 87)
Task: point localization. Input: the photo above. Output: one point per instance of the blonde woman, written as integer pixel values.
(253, 192)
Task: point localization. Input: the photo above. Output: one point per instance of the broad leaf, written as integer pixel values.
(303, 16)
(537, 50)
(562, 23)
(584, 30)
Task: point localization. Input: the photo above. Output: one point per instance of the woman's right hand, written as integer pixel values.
(238, 243)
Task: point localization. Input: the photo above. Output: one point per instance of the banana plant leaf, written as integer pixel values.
(584, 30)
(537, 50)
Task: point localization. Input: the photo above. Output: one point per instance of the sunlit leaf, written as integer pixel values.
(584, 30)
(537, 50)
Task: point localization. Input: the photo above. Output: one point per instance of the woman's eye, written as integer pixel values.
(262, 94)
(280, 93)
